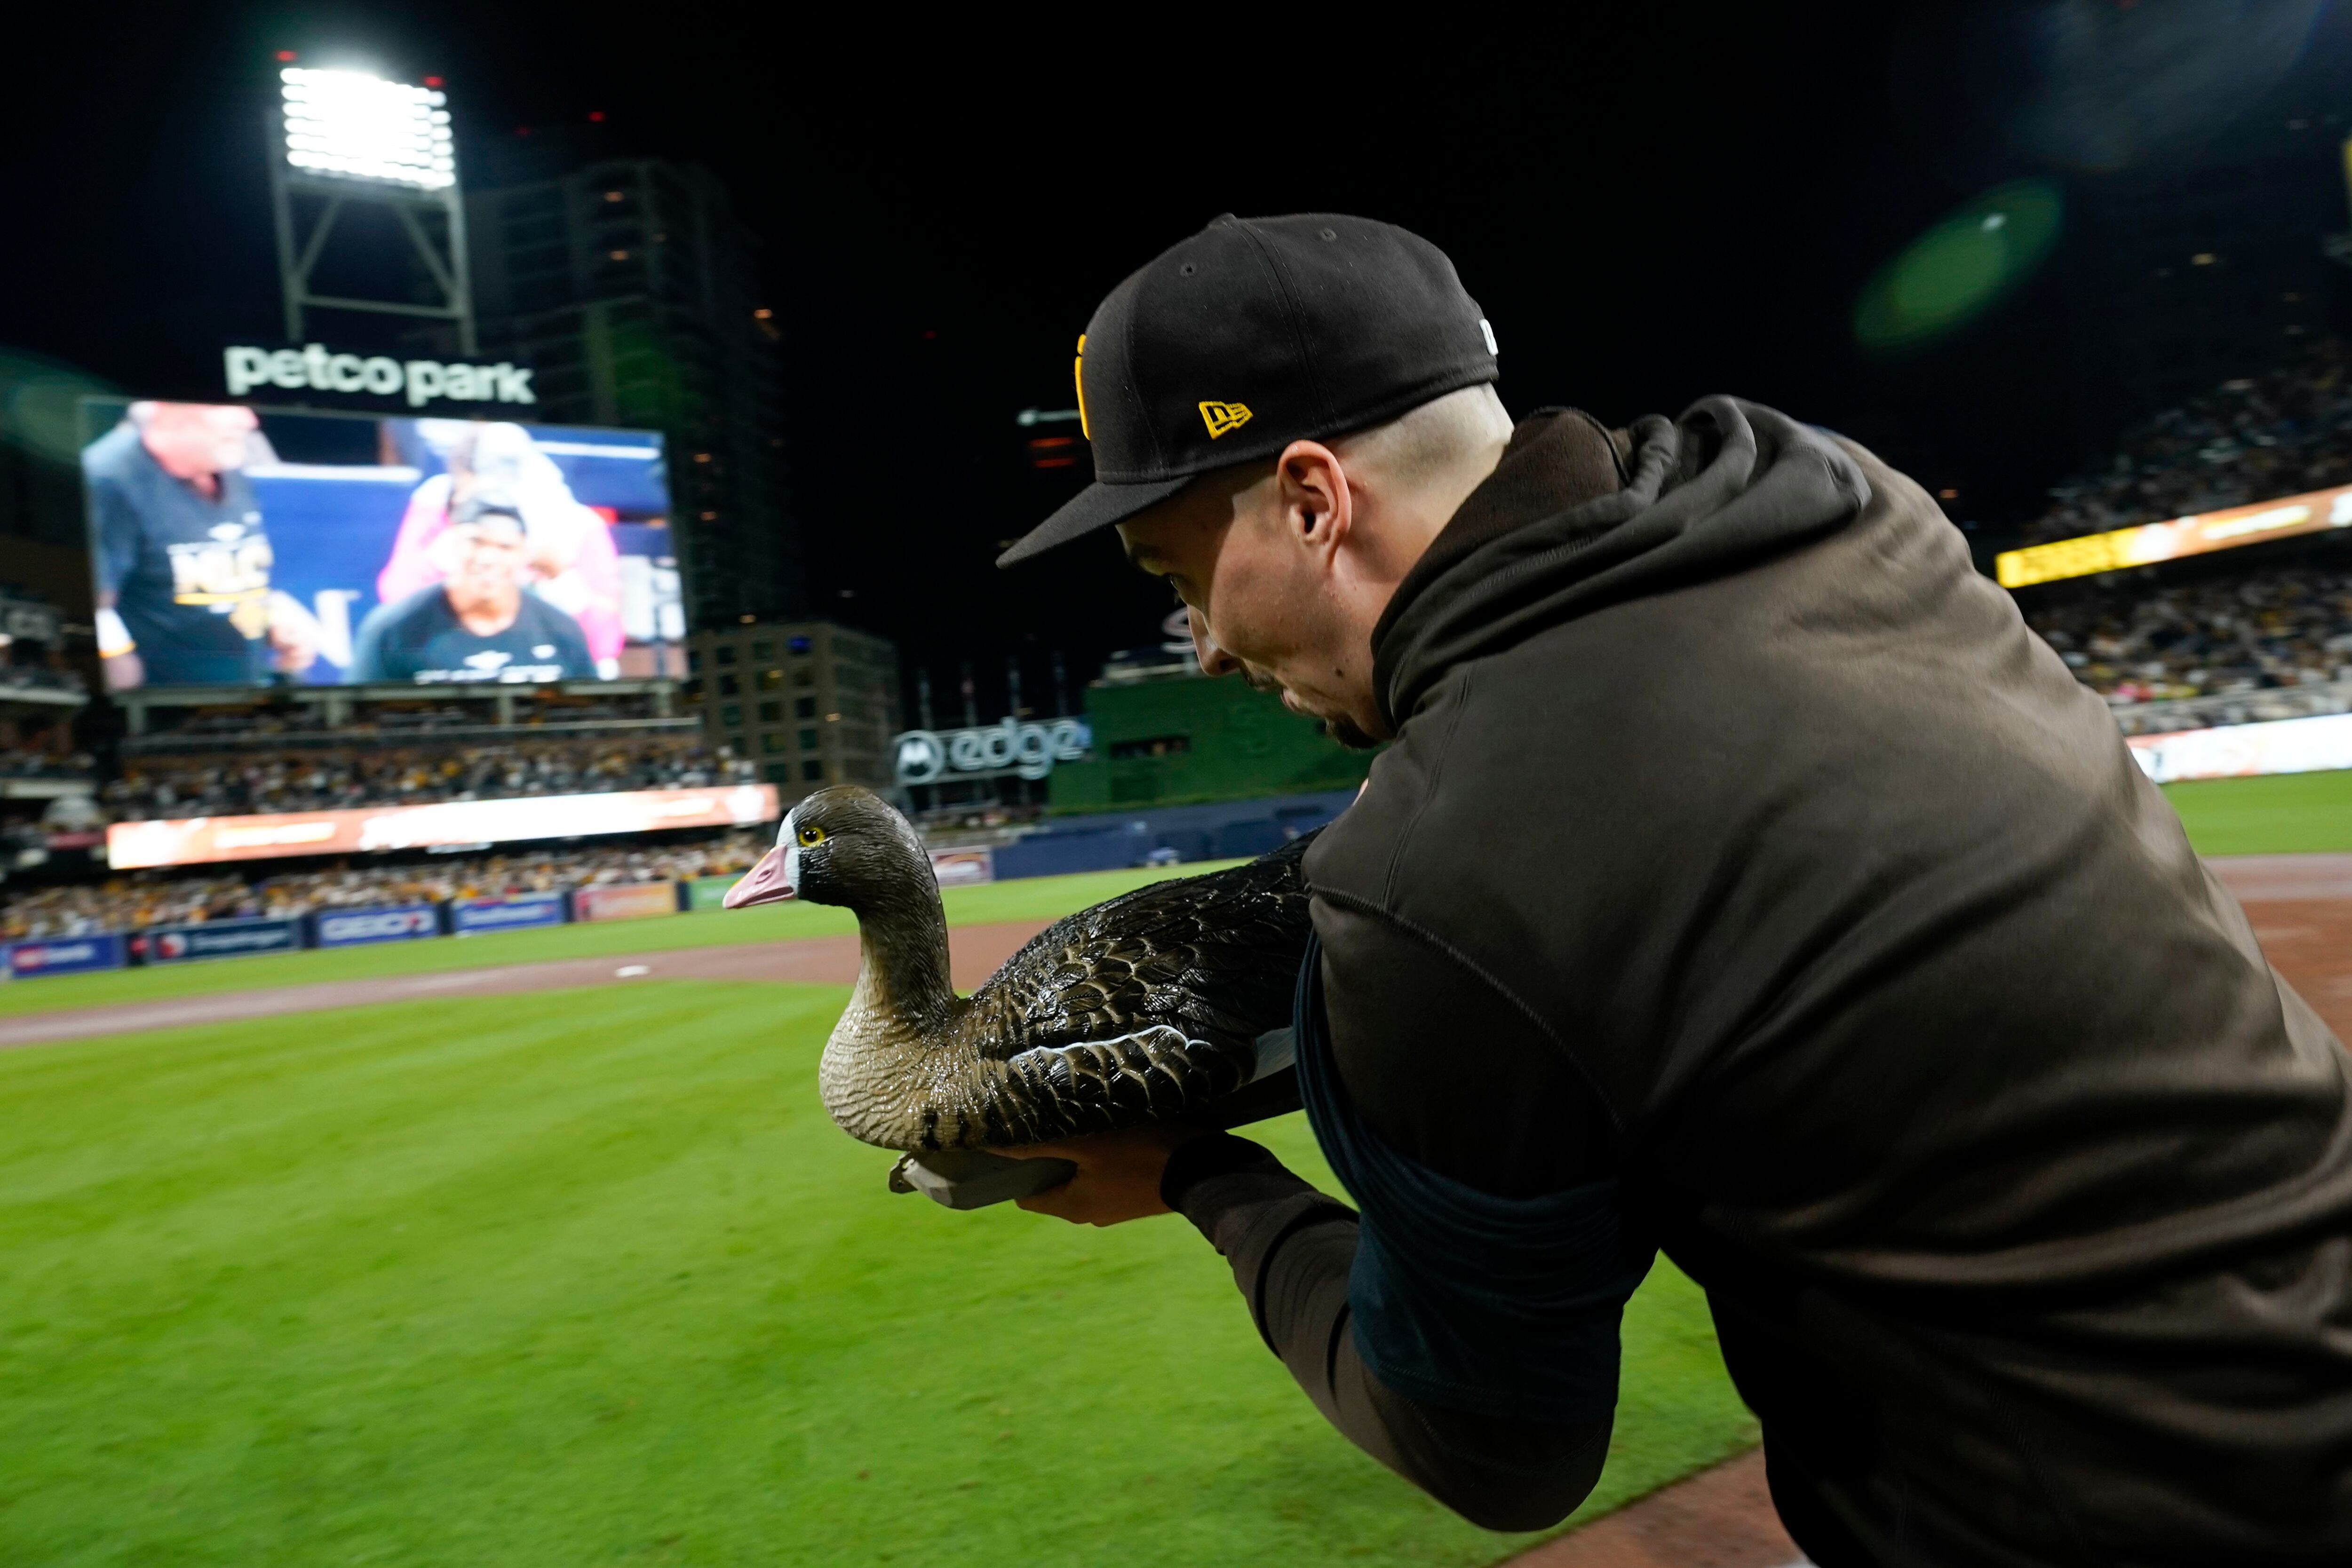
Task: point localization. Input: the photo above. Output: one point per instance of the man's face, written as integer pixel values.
(191, 439)
(489, 559)
(1256, 598)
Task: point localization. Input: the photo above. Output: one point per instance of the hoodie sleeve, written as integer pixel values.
(1291, 1249)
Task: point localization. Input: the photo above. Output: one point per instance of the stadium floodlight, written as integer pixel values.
(347, 140)
(361, 127)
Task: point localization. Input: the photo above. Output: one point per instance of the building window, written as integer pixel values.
(732, 715)
(771, 680)
(726, 652)
(778, 772)
(770, 712)
(694, 661)
(803, 677)
(762, 651)
(808, 740)
(797, 644)
(804, 707)
(728, 686)
(772, 742)
(812, 771)
(735, 744)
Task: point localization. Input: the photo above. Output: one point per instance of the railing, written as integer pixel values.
(2233, 707)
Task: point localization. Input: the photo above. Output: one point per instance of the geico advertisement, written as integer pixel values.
(133, 845)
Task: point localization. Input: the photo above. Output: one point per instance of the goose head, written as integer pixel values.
(844, 846)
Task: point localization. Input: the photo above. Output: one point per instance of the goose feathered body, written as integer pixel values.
(1145, 1007)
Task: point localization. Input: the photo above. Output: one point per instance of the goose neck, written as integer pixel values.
(902, 962)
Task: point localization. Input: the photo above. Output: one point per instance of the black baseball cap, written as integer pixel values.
(1252, 334)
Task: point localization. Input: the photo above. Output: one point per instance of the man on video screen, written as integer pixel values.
(184, 595)
(477, 623)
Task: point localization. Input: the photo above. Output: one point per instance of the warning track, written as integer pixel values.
(974, 952)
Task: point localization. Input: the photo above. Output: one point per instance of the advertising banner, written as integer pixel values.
(708, 891)
(469, 916)
(2235, 752)
(129, 845)
(2197, 534)
(626, 901)
(66, 956)
(963, 868)
(333, 548)
(216, 939)
(353, 928)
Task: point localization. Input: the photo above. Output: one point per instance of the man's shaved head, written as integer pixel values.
(1287, 565)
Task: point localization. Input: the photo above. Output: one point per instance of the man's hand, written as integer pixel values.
(293, 634)
(1119, 1174)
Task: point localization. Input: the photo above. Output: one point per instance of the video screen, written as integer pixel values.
(197, 839)
(233, 545)
(2199, 533)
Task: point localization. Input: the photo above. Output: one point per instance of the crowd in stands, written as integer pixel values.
(26, 763)
(376, 720)
(2278, 626)
(248, 784)
(41, 678)
(159, 898)
(2249, 440)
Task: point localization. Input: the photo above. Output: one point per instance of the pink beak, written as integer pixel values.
(763, 884)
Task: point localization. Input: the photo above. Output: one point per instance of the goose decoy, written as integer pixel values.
(1148, 1007)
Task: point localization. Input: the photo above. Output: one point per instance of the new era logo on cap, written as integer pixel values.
(1224, 418)
(1304, 328)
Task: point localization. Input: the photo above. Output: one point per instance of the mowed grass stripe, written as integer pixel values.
(587, 1277)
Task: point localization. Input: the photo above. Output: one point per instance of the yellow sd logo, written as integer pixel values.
(1221, 417)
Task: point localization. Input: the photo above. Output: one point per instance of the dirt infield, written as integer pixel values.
(2300, 906)
(1721, 1518)
(974, 952)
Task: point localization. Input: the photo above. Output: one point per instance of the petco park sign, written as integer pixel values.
(314, 367)
(926, 756)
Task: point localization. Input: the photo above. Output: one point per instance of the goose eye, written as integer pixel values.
(810, 837)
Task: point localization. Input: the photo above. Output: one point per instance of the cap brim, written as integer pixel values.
(1099, 506)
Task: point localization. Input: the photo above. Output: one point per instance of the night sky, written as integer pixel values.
(1648, 210)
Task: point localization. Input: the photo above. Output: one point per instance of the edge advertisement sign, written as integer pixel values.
(387, 923)
(472, 916)
(65, 955)
(217, 939)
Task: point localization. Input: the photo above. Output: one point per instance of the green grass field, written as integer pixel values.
(2286, 813)
(587, 1277)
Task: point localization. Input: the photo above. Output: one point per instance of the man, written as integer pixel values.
(184, 595)
(477, 623)
(1742, 880)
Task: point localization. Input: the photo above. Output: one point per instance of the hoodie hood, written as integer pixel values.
(1704, 495)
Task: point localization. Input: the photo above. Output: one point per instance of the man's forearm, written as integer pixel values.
(1291, 1249)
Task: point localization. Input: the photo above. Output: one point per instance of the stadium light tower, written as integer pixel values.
(346, 138)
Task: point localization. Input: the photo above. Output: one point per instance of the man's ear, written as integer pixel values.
(1317, 506)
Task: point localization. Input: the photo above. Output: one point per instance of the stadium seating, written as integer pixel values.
(327, 779)
(2275, 434)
